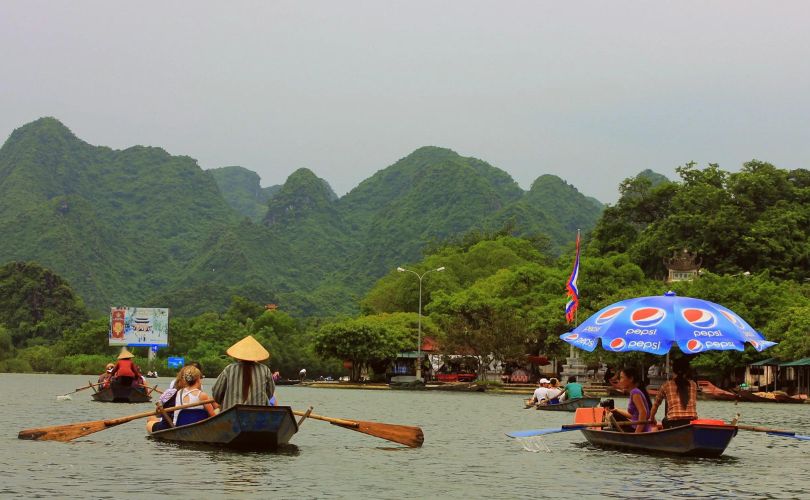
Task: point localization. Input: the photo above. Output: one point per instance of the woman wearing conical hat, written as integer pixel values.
(125, 372)
(246, 381)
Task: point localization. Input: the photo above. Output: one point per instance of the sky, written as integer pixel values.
(591, 91)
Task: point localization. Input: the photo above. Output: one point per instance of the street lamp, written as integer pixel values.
(419, 342)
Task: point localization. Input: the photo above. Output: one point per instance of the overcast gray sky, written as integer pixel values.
(591, 91)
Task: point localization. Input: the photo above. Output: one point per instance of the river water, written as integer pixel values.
(466, 454)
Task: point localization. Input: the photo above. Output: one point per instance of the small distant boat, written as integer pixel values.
(696, 439)
(117, 393)
(240, 427)
(287, 381)
(570, 405)
(712, 392)
(458, 386)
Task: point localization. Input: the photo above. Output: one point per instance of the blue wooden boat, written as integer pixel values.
(244, 427)
(695, 439)
(571, 404)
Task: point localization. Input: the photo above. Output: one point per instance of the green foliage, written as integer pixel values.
(36, 304)
(241, 189)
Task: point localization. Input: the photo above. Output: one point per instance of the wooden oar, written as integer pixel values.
(570, 427)
(69, 432)
(89, 385)
(402, 434)
(774, 432)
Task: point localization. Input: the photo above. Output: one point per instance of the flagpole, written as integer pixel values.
(576, 320)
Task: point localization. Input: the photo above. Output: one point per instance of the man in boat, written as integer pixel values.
(247, 381)
(541, 393)
(572, 390)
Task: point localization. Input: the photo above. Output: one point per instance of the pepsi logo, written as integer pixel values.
(647, 316)
(733, 319)
(572, 336)
(609, 315)
(617, 344)
(694, 345)
(699, 318)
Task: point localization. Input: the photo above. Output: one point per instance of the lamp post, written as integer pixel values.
(419, 341)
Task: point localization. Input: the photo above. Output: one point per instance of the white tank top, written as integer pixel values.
(193, 397)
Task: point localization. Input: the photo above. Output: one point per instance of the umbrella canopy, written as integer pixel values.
(653, 324)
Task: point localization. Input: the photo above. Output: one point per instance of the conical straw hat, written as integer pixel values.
(248, 349)
(125, 354)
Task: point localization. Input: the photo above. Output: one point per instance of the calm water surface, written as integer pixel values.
(465, 455)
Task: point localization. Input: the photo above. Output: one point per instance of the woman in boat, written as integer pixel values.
(554, 391)
(125, 371)
(191, 392)
(680, 394)
(638, 408)
(247, 381)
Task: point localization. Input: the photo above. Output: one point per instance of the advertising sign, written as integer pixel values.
(139, 326)
(176, 363)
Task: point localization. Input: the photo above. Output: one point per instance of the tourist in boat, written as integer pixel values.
(638, 408)
(125, 371)
(540, 394)
(191, 392)
(572, 390)
(247, 381)
(680, 394)
(104, 378)
(554, 391)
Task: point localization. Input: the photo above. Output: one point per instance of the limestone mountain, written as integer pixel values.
(242, 190)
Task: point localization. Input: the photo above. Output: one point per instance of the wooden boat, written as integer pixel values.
(457, 386)
(712, 392)
(571, 405)
(242, 427)
(287, 381)
(117, 393)
(752, 397)
(696, 439)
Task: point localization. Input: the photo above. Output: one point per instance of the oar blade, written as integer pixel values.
(790, 434)
(538, 432)
(62, 432)
(403, 434)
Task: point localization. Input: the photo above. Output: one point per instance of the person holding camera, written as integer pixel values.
(638, 408)
(680, 393)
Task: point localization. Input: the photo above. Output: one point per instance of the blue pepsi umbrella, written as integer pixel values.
(653, 324)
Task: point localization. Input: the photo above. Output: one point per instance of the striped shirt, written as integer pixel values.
(227, 389)
(675, 409)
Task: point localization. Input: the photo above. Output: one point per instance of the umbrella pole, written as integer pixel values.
(667, 369)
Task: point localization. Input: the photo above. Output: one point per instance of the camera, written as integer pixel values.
(608, 404)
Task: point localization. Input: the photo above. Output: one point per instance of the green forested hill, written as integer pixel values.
(241, 189)
(139, 226)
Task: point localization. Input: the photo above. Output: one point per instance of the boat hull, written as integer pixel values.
(571, 405)
(122, 394)
(243, 427)
(698, 440)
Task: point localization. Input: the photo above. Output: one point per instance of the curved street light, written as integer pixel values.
(419, 344)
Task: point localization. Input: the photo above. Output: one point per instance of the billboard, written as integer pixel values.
(174, 362)
(139, 326)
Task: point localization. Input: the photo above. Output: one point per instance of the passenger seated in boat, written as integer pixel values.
(540, 394)
(680, 394)
(191, 393)
(638, 408)
(104, 378)
(554, 392)
(572, 390)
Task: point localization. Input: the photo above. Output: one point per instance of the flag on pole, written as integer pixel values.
(573, 293)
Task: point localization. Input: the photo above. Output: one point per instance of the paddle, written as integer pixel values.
(570, 427)
(69, 432)
(80, 389)
(774, 432)
(402, 434)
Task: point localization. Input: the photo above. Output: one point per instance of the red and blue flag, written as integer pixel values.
(573, 293)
